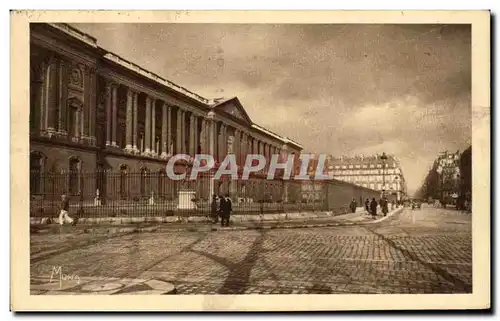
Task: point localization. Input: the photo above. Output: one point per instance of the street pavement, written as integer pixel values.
(419, 251)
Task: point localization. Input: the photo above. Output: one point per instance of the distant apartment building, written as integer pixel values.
(372, 172)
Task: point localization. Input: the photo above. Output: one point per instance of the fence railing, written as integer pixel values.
(125, 194)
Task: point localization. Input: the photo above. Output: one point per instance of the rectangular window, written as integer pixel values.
(372, 186)
(350, 166)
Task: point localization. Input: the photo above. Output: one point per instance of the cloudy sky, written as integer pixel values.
(336, 89)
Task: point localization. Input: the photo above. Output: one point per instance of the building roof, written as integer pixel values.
(211, 103)
(361, 160)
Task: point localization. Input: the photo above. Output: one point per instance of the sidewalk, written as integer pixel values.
(238, 222)
(36, 222)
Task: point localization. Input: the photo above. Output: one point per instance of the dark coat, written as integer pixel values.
(373, 207)
(214, 206)
(226, 206)
(222, 203)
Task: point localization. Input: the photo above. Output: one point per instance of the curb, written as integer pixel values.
(292, 216)
(241, 228)
(205, 228)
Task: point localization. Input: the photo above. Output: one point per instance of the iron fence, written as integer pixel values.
(126, 194)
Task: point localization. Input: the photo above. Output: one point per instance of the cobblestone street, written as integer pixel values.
(421, 251)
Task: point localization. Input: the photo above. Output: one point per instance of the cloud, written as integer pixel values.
(340, 89)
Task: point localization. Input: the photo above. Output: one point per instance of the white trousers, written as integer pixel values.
(64, 217)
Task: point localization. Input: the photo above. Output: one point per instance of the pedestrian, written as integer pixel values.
(373, 208)
(353, 205)
(367, 206)
(214, 209)
(385, 206)
(64, 209)
(227, 208)
(220, 211)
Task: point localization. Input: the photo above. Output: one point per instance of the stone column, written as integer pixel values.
(203, 137)
(178, 145)
(183, 132)
(191, 135)
(225, 141)
(62, 101)
(220, 142)
(81, 119)
(207, 140)
(39, 100)
(269, 155)
(164, 125)
(147, 125)
(93, 105)
(37, 106)
(196, 134)
(153, 127)
(52, 95)
(87, 101)
(114, 117)
(108, 96)
(129, 121)
(244, 147)
(264, 152)
(169, 150)
(135, 98)
(236, 146)
(211, 129)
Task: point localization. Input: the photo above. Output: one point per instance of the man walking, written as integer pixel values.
(226, 210)
(214, 209)
(63, 213)
(222, 205)
(353, 205)
(385, 206)
(367, 206)
(373, 208)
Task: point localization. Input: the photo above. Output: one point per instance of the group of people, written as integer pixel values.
(221, 207)
(371, 206)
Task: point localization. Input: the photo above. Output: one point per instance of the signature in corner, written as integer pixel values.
(57, 271)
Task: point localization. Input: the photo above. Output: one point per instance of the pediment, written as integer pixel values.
(233, 108)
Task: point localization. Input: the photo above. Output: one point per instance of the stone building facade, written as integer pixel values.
(371, 172)
(92, 111)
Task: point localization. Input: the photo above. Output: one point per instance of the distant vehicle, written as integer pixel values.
(415, 204)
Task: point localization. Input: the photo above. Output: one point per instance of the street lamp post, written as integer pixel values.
(384, 159)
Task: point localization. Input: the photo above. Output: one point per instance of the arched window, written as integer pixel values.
(37, 160)
(145, 182)
(124, 182)
(75, 176)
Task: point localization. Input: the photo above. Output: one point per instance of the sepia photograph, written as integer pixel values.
(252, 157)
